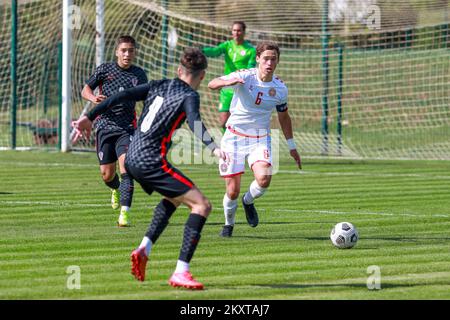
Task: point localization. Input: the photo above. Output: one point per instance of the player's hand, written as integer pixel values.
(81, 128)
(219, 153)
(296, 156)
(97, 99)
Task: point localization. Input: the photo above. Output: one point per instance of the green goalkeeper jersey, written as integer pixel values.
(237, 57)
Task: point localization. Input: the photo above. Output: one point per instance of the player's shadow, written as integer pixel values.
(417, 240)
(408, 239)
(344, 162)
(271, 223)
(1, 192)
(331, 285)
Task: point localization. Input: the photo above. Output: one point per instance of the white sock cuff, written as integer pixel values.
(182, 266)
(256, 190)
(147, 244)
(228, 203)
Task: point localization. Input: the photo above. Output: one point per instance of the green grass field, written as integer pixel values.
(55, 213)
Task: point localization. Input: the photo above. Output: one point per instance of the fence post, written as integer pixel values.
(13, 127)
(325, 74)
(339, 97)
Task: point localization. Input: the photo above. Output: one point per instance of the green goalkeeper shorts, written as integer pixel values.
(226, 95)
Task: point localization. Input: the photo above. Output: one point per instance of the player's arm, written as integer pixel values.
(217, 51)
(142, 79)
(88, 94)
(286, 126)
(138, 93)
(84, 124)
(93, 82)
(191, 106)
(230, 81)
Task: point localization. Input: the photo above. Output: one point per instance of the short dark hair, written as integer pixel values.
(194, 61)
(267, 45)
(125, 39)
(242, 23)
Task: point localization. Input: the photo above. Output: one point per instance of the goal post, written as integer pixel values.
(66, 87)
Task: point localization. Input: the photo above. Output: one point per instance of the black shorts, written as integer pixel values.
(110, 148)
(164, 179)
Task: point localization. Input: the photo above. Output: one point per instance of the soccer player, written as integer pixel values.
(115, 127)
(239, 54)
(167, 104)
(257, 92)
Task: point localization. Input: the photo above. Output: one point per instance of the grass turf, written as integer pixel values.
(55, 213)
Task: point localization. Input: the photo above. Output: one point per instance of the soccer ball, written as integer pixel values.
(344, 235)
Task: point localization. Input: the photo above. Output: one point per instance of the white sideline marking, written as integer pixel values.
(349, 213)
(368, 213)
(54, 203)
(365, 174)
(360, 174)
(55, 164)
(356, 174)
(211, 169)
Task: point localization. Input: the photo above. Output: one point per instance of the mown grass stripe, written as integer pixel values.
(55, 212)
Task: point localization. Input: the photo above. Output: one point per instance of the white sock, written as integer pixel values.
(182, 266)
(254, 192)
(125, 208)
(147, 243)
(229, 209)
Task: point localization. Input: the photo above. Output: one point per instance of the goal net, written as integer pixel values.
(38, 39)
(372, 80)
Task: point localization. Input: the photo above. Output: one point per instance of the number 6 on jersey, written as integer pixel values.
(258, 98)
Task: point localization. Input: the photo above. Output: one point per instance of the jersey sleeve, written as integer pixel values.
(282, 106)
(142, 78)
(216, 51)
(191, 105)
(243, 74)
(97, 77)
(138, 93)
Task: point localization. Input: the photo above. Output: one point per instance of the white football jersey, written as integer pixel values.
(254, 101)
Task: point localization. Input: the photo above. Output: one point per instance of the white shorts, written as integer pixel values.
(240, 147)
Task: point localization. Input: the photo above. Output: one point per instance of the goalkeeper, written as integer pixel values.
(239, 54)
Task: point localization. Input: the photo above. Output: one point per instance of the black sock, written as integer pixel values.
(126, 190)
(161, 216)
(114, 183)
(191, 237)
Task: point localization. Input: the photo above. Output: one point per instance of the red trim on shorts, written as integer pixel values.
(244, 135)
(251, 168)
(134, 121)
(164, 143)
(100, 90)
(232, 175)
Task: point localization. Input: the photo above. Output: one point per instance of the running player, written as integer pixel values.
(168, 103)
(257, 92)
(115, 127)
(239, 54)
